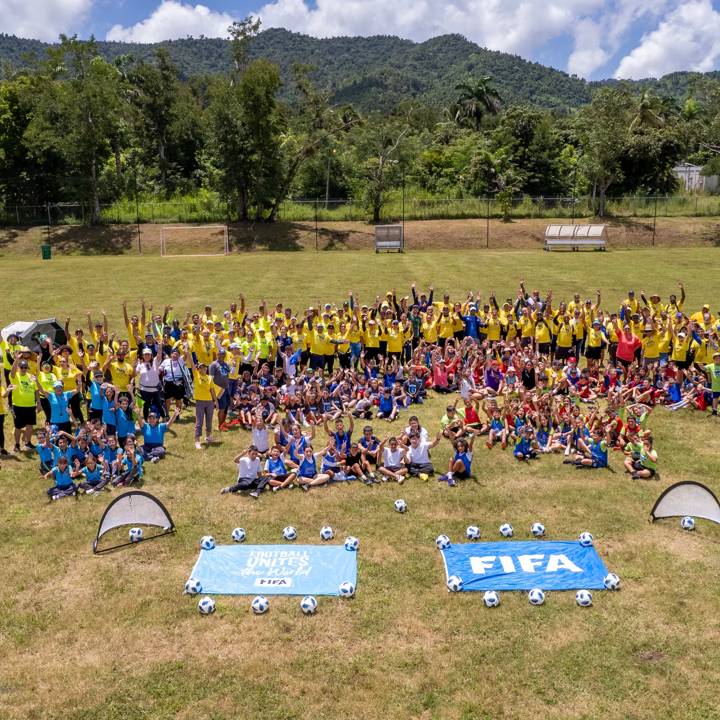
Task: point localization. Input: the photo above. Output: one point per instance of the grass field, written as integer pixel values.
(113, 638)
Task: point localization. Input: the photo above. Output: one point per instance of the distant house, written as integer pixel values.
(693, 180)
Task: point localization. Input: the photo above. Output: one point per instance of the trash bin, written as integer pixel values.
(46, 252)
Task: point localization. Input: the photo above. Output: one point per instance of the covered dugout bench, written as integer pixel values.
(575, 237)
(389, 237)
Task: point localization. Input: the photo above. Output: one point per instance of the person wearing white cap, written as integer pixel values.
(59, 406)
(147, 374)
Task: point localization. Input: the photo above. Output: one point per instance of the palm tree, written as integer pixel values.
(476, 99)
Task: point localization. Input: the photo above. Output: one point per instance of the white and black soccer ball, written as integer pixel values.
(491, 599)
(687, 523)
(207, 542)
(326, 533)
(352, 543)
(347, 589)
(472, 532)
(585, 539)
(238, 535)
(308, 605)
(442, 542)
(206, 606)
(611, 581)
(260, 604)
(454, 583)
(583, 598)
(506, 530)
(289, 533)
(536, 596)
(537, 529)
(193, 586)
(400, 505)
(135, 534)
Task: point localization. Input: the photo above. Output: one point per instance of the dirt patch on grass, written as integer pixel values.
(327, 236)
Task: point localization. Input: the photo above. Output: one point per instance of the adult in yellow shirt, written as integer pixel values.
(8, 348)
(564, 341)
(134, 325)
(46, 379)
(24, 399)
(205, 400)
(121, 372)
(429, 327)
(372, 340)
(594, 344)
(650, 346)
(543, 334)
(445, 326)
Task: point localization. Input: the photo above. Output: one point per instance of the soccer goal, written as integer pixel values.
(194, 240)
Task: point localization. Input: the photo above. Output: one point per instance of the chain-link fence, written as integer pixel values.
(394, 208)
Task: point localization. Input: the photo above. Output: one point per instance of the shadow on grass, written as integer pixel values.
(97, 240)
(280, 237)
(8, 236)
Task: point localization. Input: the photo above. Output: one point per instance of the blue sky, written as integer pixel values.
(590, 38)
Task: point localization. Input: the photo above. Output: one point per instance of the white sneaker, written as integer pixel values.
(154, 459)
(198, 445)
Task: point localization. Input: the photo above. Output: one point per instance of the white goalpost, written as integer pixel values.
(194, 240)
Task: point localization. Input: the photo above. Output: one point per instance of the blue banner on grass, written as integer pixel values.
(275, 569)
(523, 565)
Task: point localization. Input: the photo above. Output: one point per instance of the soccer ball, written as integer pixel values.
(289, 533)
(687, 523)
(454, 583)
(352, 543)
(537, 529)
(536, 596)
(260, 604)
(308, 605)
(400, 506)
(585, 539)
(491, 599)
(193, 586)
(238, 535)
(583, 598)
(472, 532)
(442, 542)
(136, 534)
(326, 533)
(206, 606)
(612, 581)
(506, 530)
(207, 542)
(347, 589)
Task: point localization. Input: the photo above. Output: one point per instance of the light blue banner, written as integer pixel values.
(523, 565)
(275, 569)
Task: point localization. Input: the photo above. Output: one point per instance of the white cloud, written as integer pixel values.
(172, 20)
(688, 38)
(42, 19)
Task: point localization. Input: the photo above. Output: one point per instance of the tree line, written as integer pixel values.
(77, 127)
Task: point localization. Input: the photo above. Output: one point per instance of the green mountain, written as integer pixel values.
(372, 73)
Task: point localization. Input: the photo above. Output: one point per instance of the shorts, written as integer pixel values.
(393, 468)
(683, 364)
(563, 353)
(24, 416)
(593, 353)
(224, 401)
(174, 391)
(95, 414)
(462, 475)
(544, 348)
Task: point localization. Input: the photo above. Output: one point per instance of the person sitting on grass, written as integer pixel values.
(355, 464)
(642, 462)
(307, 473)
(387, 408)
(525, 444)
(153, 432)
(417, 456)
(592, 453)
(459, 467)
(498, 429)
(93, 477)
(279, 478)
(393, 460)
(248, 477)
(130, 464)
(64, 486)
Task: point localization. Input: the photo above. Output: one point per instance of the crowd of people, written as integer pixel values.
(531, 373)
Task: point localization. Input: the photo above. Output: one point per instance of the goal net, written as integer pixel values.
(194, 240)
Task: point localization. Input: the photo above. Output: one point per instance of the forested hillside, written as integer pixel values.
(373, 73)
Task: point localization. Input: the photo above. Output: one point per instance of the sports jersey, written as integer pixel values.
(23, 394)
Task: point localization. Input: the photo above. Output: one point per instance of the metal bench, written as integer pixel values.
(576, 237)
(389, 238)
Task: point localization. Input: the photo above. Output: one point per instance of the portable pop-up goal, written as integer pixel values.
(194, 240)
(135, 507)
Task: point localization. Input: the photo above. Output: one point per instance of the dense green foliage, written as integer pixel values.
(90, 123)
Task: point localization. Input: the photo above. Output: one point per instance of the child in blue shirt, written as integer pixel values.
(64, 486)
